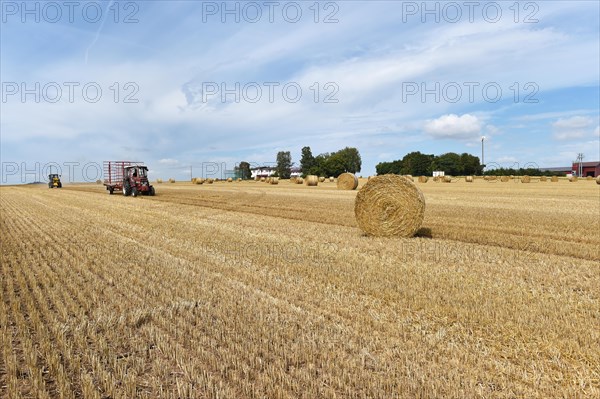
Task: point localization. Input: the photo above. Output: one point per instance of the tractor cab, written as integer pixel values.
(54, 181)
(136, 181)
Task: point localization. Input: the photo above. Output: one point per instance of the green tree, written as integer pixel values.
(307, 161)
(470, 164)
(449, 163)
(243, 170)
(284, 164)
(384, 168)
(416, 164)
(350, 158)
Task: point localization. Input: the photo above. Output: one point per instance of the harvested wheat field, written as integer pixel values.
(272, 291)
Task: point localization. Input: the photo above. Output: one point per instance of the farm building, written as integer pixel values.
(588, 168)
(266, 171)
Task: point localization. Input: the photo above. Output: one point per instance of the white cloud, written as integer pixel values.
(575, 127)
(452, 126)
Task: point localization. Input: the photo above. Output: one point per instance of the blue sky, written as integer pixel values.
(395, 79)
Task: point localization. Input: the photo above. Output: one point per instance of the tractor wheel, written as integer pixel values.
(152, 192)
(59, 185)
(134, 192)
(110, 190)
(126, 189)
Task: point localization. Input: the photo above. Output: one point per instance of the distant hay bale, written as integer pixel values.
(158, 181)
(347, 181)
(573, 179)
(274, 180)
(389, 205)
(98, 181)
(229, 180)
(436, 179)
(331, 179)
(554, 179)
(525, 179)
(262, 179)
(299, 180)
(447, 179)
(598, 180)
(199, 180)
(543, 178)
(589, 178)
(504, 179)
(171, 180)
(194, 180)
(423, 179)
(239, 179)
(321, 179)
(312, 180)
(292, 179)
(210, 181)
(469, 179)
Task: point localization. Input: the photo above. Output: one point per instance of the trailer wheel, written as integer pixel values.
(152, 191)
(110, 191)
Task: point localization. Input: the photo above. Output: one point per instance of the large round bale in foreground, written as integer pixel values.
(389, 205)
(347, 181)
(598, 180)
(312, 180)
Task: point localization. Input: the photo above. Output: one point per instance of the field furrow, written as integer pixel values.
(250, 290)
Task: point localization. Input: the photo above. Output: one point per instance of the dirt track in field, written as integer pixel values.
(254, 290)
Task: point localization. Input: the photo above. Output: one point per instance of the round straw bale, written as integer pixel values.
(504, 179)
(199, 181)
(525, 179)
(436, 179)
(331, 179)
(171, 180)
(239, 179)
(229, 180)
(210, 181)
(262, 179)
(321, 179)
(409, 177)
(299, 180)
(469, 179)
(598, 180)
(573, 179)
(275, 180)
(312, 180)
(447, 179)
(347, 181)
(158, 181)
(554, 179)
(423, 179)
(98, 181)
(389, 205)
(543, 178)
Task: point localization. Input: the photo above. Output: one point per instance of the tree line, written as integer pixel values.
(326, 164)
(418, 164)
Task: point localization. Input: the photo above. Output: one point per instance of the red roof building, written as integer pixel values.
(588, 168)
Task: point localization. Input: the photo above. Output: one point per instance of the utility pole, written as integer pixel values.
(482, 161)
(191, 173)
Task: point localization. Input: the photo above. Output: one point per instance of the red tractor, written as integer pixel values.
(128, 176)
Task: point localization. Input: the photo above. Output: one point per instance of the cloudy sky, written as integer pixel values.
(180, 83)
